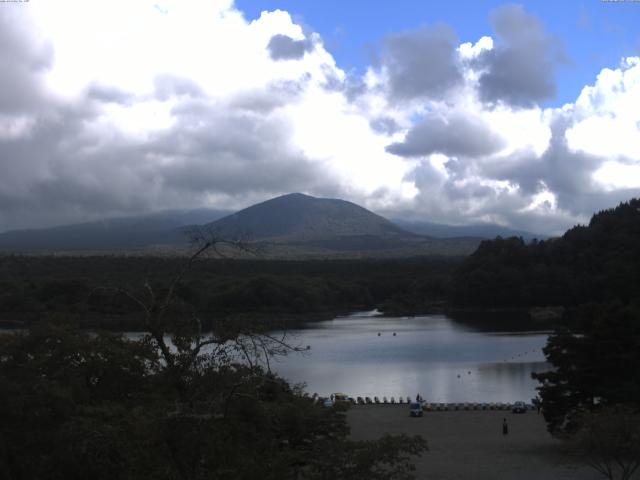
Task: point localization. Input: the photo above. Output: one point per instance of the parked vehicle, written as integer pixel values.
(327, 402)
(415, 409)
(340, 397)
(519, 407)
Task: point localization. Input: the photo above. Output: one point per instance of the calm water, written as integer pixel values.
(432, 355)
(442, 359)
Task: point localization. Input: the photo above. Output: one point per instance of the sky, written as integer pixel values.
(522, 114)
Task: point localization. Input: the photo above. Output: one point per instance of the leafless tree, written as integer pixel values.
(176, 329)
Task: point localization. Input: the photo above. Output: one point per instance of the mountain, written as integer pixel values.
(163, 228)
(301, 218)
(480, 230)
(330, 225)
(293, 225)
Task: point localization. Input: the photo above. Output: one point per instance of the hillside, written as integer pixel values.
(479, 230)
(594, 263)
(316, 226)
(299, 217)
(164, 228)
(290, 226)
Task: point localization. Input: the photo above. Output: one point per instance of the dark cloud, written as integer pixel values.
(454, 135)
(23, 59)
(351, 85)
(520, 69)
(49, 175)
(282, 47)
(566, 173)
(70, 167)
(422, 63)
(228, 152)
(68, 164)
(501, 189)
(569, 175)
(426, 177)
(385, 125)
(107, 94)
(274, 95)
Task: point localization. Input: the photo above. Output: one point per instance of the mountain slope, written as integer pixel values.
(301, 225)
(163, 228)
(481, 230)
(301, 218)
(293, 225)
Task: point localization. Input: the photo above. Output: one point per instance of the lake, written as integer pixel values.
(433, 355)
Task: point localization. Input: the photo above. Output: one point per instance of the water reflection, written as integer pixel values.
(443, 360)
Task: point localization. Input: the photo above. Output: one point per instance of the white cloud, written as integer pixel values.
(469, 51)
(163, 104)
(615, 175)
(608, 116)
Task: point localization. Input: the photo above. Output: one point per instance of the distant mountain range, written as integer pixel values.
(165, 228)
(292, 225)
(479, 230)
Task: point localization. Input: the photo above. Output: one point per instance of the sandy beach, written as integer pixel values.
(470, 444)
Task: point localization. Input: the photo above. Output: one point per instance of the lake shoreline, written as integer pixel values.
(470, 444)
(545, 318)
(368, 354)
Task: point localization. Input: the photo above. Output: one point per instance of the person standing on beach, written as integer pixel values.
(505, 427)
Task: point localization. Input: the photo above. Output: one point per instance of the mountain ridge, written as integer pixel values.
(299, 217)
(479, 230)
(292, 224)
(108, 234)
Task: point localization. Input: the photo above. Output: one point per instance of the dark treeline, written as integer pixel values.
(86, 288)
(595, 263)
(75, 405)
(592, 393)
(591, 396)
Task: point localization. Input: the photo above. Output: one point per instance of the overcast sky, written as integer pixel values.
(118, 108)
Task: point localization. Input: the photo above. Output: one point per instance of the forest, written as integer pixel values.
(86, 289)
(184, 401)
(78, 404)
(593, 263)
(598, 262)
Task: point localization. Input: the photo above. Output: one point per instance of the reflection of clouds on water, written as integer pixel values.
(430, 355)
(500, 379)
